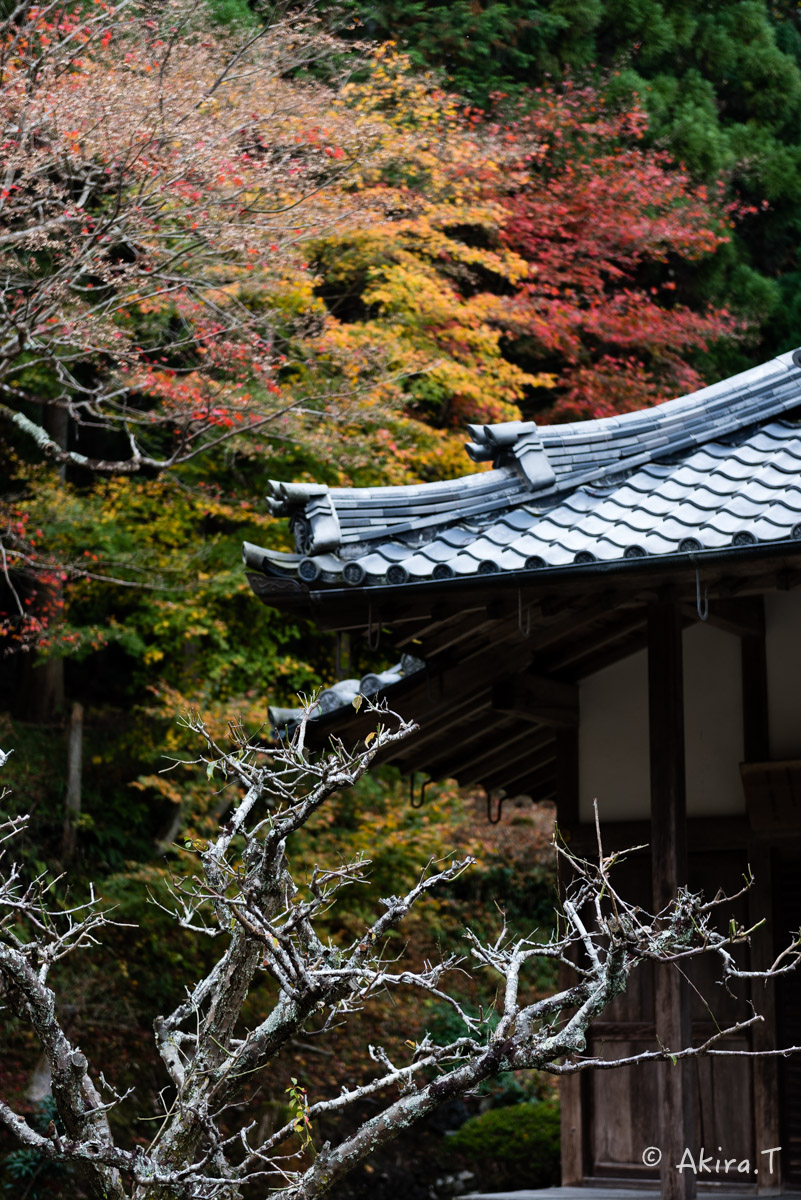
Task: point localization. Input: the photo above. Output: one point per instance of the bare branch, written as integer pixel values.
(268, 923)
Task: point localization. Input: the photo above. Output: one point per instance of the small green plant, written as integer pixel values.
(299, 1112)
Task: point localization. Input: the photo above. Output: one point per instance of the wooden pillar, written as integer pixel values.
(765, 1071)
(669, 871)
(571, 1087)
(756, 748)
(756, 734)
(567, 778)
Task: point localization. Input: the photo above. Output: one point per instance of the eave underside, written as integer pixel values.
(497, 703)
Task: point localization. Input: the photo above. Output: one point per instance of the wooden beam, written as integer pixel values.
(704, 833)
(525, 776)
(612, 652)
(442, 619)
(575, 650)
(539, 750)
(669, 871)
(666, 739)
(469, 626)
(470, 763)
(436, 720)
(787, 579)
(437, 699)
(537, 698)
(756, 749)
(570, 620)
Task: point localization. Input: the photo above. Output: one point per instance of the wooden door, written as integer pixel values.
(787, 916)
(622, 1107)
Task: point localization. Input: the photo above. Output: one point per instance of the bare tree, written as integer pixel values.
(154, 164)
(161, 180)
(243, 893)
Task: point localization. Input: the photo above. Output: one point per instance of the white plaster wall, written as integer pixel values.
(713, 722)
(613, 741)
(613, 732)
(783, 645)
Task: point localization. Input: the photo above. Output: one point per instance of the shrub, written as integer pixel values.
(516, 1146)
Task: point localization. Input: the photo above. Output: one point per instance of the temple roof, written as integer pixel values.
(695, 475)
(490, 598)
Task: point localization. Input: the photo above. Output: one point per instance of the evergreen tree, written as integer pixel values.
(721, 83)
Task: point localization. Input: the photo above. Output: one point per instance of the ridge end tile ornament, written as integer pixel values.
(710, 471)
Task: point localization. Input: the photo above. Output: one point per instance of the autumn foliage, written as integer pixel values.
(159, 182)
(204, 246)
(600, 220)
(530, 262)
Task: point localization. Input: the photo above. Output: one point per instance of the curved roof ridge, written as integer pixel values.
(724, 393)
(532, 463)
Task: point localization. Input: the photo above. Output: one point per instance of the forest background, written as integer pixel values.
(477, 211)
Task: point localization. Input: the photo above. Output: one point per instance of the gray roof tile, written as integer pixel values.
(650, 479)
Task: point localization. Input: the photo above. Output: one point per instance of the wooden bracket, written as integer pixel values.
(537, 698)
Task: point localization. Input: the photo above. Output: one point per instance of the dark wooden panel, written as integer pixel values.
(723, 1112)
(625, 1119)
(722, 1088)
(787, 916)
(574, 1115)
(772, 795)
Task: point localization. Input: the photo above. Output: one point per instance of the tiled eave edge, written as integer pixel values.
(286, 592)
(371, 607)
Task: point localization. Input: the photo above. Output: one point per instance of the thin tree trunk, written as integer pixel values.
(72, 804)
(40, 696)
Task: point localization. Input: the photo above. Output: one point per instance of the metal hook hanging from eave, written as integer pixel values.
(422, 799)
(702, 615)
(499, 813)
(524, 633)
